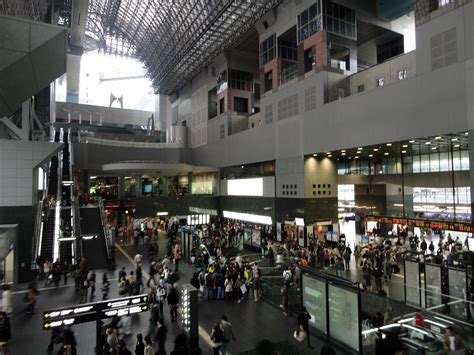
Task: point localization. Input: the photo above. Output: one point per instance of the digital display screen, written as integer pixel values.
(412, 283)
(344, 316)
(433, 285)
(148, 188)
(314, 299)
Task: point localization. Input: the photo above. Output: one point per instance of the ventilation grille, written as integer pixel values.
(268, 114)
(288, 107)
(444, 49)
(310, 99)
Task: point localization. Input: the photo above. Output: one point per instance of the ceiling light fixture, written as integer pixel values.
(329, 156)
(433, 148)
(328, 153)
(427, 143)
(438, 137)
(404, 151)
(412, 141)
(466, 133)
(376, 149)
(386, 153)
(371, 155)
(357, 157)
(315, 155)
(457, 146)
(405, 146)
(454, 140)
(389, 144)
(343, 151)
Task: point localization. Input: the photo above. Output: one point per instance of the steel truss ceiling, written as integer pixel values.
(175, 39)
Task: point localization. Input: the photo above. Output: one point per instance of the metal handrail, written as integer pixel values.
(77, 228)
(36, 234)
(104, 229)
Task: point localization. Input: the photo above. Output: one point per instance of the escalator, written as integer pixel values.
(94, 247)
(47, 240)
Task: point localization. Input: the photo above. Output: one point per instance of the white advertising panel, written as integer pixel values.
(245, 187)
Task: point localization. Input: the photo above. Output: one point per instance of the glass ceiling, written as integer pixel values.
(175, 39)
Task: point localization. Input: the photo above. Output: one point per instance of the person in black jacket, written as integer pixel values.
(161, 332)
(303, 321)
(195, 281)
(173, 301)
(5, 331)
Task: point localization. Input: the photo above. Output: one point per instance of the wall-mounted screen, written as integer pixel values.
(433, 285)
(148, 188)
(314, 299)
(412, 283)
(457, 289)
(245, 187)
(344, 320)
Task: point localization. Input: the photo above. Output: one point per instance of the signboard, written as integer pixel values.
(344, 323)
(94, 311)
(189, 311)
(412, 283)
(457, 290)
(423, 223)
(314, 299)
(432, 285)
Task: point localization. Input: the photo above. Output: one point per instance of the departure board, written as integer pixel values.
(314, 299)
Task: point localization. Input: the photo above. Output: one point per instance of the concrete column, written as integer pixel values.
(320, 188)
(471, 170)
(73, 77)
(138, 186)
(121, 187)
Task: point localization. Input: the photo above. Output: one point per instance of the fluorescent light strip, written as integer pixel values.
(247, 217)
(57, 221)
(388, 326)
(406, 320)
(436, 323)
(444, 320)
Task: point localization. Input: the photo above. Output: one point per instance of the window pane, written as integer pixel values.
(416, 164)
(464, 160)
(444, 164)
(425, 163)
(434, 162)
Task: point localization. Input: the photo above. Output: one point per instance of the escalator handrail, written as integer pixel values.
(104, 229)
(35, 245)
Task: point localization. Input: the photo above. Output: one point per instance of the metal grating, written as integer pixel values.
(174, 39)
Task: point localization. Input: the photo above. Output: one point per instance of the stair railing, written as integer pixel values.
(37, 234)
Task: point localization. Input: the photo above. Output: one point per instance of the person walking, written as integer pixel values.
(7, 300)
(217, 336)
(31, 297)
(173, 301)
(303, 322)
(227, 333)
(139, 345)
(105, 287)
(92, 279)
(285, 299)
(5, 330)
(161, 332)
(148, 346)
(453, 343)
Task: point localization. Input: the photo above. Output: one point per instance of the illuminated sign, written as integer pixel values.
(245, 187)
(422, 223)
(247, 217)
(94, 311)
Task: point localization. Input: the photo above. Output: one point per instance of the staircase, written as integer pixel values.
(94, 250)
(47, 239)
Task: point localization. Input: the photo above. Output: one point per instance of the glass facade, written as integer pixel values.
(422, 163)
(309, 21)
(268, 50)
(339, 20)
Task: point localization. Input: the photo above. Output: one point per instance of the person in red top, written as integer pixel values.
(419, 320)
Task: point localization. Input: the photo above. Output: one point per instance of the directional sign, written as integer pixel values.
(92, 311)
